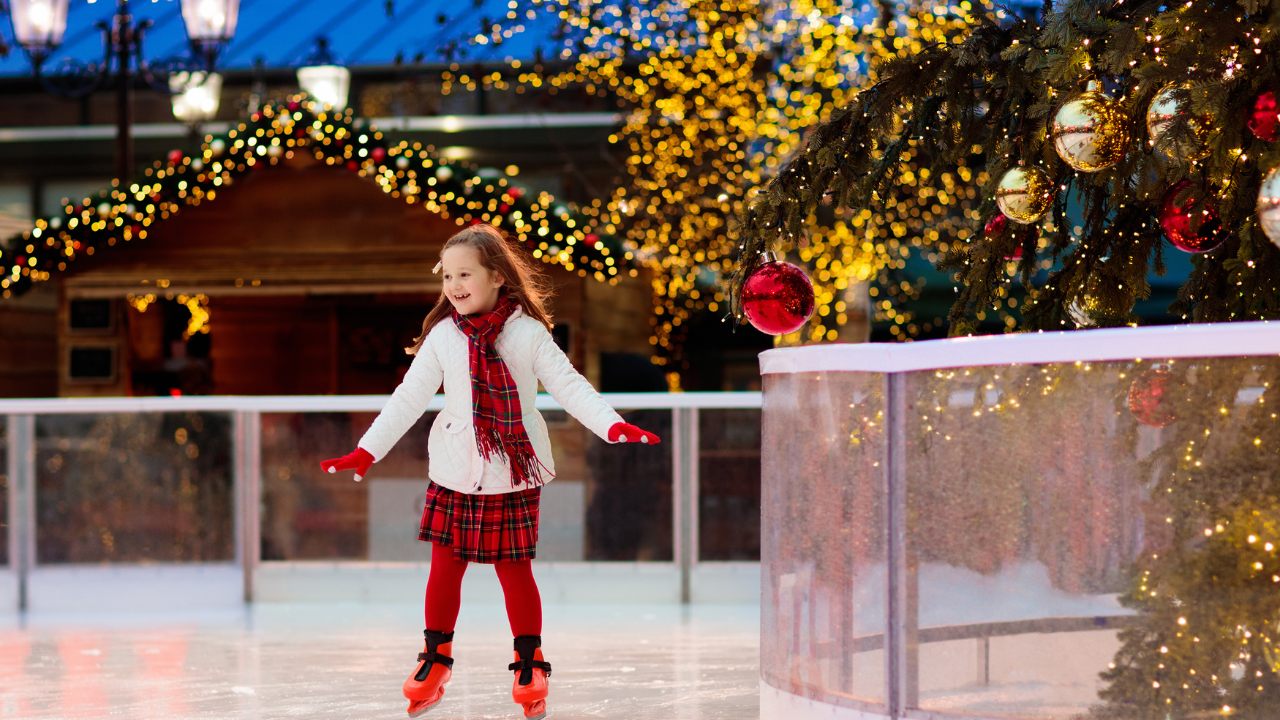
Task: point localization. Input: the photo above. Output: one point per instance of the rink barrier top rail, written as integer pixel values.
(348, 403)
(1155, 342)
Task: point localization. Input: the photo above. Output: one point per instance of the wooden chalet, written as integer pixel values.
(313, 281)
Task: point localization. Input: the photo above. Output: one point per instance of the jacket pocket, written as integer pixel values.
(452, 424)
(450, 450)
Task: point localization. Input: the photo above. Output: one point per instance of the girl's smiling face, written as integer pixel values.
(471, 287)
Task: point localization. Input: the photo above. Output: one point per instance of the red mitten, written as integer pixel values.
(360, 460)
(622, 432)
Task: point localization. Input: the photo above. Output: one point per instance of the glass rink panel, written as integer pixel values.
(1094, 537)
(608, 502)
(729, 484)
(823, 550)
(4, 489)
(1048, 540)
(134, 487)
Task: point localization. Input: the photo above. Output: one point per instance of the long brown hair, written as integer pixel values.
(523, 281)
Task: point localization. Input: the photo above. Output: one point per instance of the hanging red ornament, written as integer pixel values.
(503, 208)
(1148, 400)
(293, 105)
(175, 157)
(1264, 119)
(592, 238)
(778, 297)
(1010, 240)
(1189, 219)
(378, 154)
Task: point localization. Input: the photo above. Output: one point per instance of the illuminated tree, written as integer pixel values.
(719, 94)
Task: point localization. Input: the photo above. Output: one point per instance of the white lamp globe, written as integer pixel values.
(195, 99)
(326, 83)
(38, 25)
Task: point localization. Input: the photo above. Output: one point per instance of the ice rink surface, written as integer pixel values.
(657, 662)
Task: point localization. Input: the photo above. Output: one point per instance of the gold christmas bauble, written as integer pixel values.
(1025, 194)
(1164, 109)
(1269, 205)
(1089, 132)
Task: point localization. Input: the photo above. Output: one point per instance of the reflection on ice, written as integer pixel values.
(341, 661)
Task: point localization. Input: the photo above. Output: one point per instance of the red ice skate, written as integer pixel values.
(425, 686)
(530, 688)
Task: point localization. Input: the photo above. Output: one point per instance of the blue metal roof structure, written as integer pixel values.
(283, 33)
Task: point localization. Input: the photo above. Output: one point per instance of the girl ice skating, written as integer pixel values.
(488, 340)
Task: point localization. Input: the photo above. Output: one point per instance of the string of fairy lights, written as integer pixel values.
(719, 95)
(553, 232)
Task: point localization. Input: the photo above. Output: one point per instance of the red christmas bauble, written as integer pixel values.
(378, 154)
(175, 157)
(777, 298)
(592, 238)
(1189, 219)
(1264, 119)
(293, 105)
(503, 208)
(997, 230)
(352, 165)
(1147, 401)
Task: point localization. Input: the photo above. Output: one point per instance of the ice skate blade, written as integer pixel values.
(418, 708)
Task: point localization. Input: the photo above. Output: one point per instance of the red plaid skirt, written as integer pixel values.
(482, 528)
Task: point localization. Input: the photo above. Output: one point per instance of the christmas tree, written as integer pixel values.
(1103, 128)
(1207, 586)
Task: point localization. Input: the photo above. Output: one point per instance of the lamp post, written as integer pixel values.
(38, 26)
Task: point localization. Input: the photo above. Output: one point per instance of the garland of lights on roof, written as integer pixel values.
(552, 232)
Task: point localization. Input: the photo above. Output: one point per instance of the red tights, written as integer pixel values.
(444, 592)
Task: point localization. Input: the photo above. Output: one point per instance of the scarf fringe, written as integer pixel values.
(518, 451)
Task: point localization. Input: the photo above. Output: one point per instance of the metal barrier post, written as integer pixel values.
(902, 647)
(247, 478)
(21, 500)
(684, 496)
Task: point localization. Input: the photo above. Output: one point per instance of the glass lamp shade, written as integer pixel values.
(38, 25)
(193, 103)
(210, 24)
(326, 83)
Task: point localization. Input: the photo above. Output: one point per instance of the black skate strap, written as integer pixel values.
(526, 668)
(437, 658)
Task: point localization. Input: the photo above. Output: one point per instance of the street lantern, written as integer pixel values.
(38, 25)
(210, 25)
(324, 79)
(195, 96)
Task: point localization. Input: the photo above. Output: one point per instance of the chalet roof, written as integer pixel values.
(283, 32)
(551, 231)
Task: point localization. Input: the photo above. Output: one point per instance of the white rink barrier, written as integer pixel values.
(396, 564)
(950, 527)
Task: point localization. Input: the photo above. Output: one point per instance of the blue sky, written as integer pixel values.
(283, 32)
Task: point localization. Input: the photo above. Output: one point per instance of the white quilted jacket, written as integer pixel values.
(453, 459)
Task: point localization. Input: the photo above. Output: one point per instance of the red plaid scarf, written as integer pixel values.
(495, 403)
